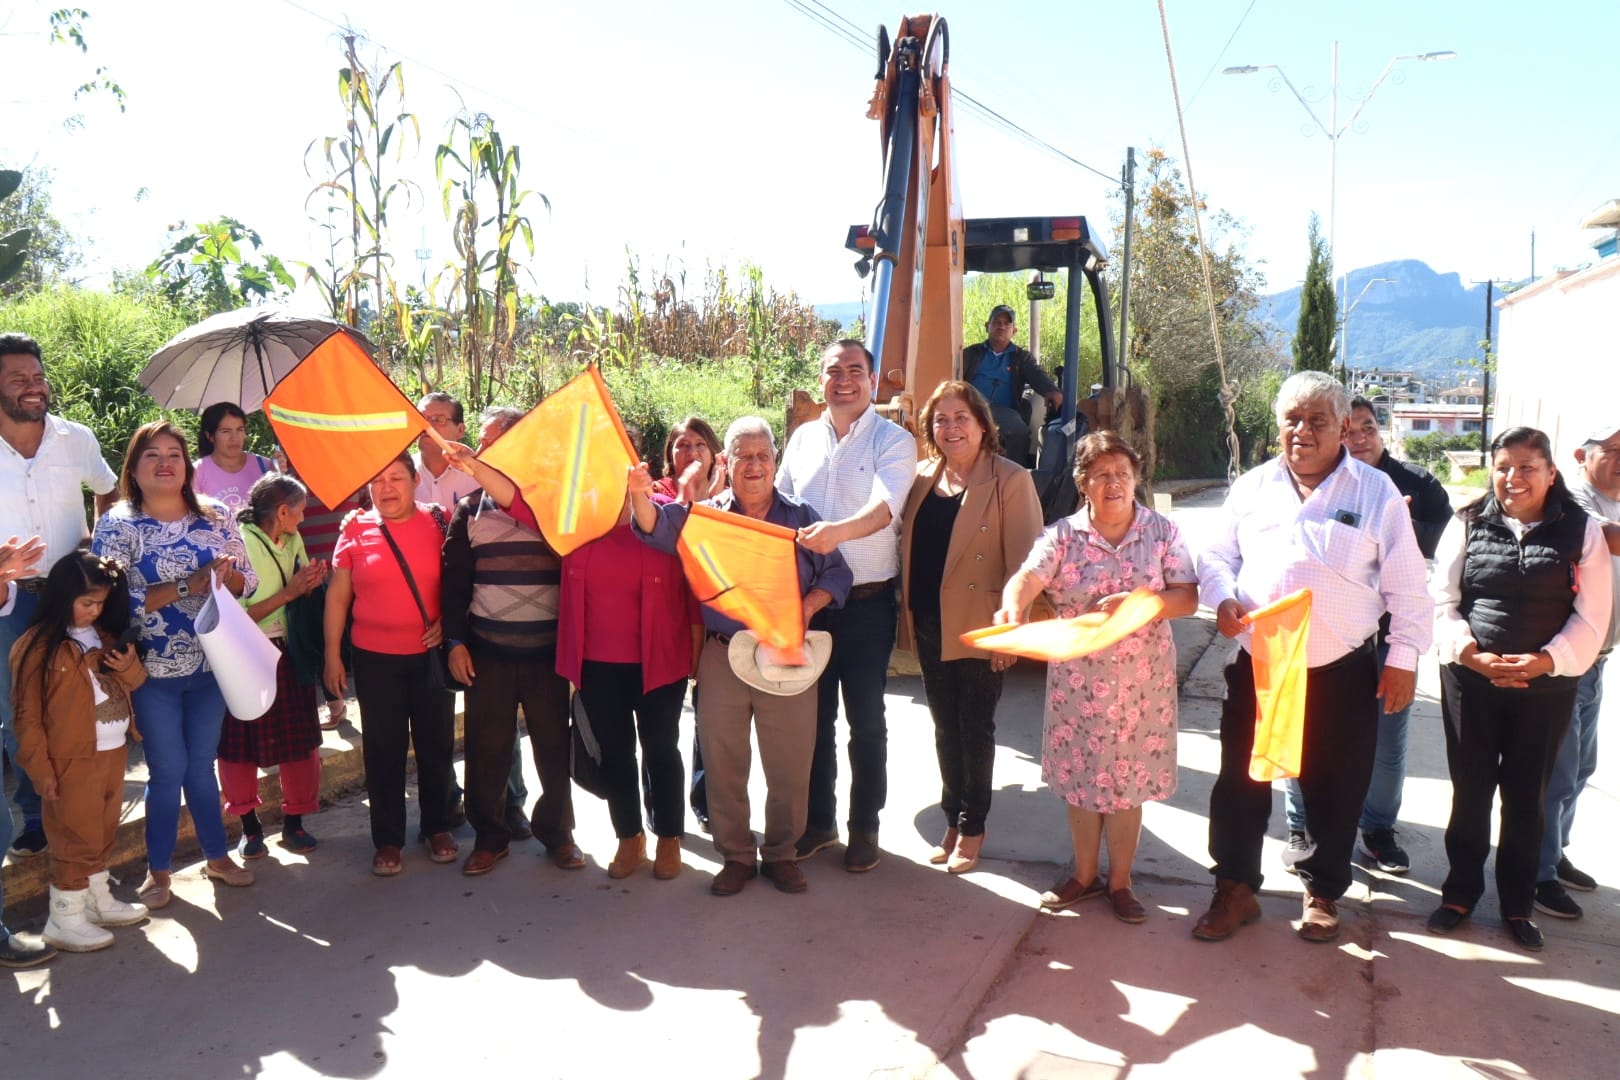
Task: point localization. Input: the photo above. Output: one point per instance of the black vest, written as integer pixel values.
(1518, 594)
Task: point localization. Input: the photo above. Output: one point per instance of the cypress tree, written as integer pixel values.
(1318, 309)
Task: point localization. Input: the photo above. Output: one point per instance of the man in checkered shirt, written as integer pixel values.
(1315, 518)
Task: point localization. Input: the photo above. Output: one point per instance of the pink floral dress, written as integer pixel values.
(1109, 741)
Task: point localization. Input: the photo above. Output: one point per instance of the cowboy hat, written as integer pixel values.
(751, 663)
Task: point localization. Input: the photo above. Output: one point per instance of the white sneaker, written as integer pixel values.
(103, 909)
(67, 927)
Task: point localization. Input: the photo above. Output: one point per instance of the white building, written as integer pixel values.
(1558, 360)
(1407, 419)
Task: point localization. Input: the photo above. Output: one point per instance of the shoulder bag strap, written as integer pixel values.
(405, 568)
(265, 544)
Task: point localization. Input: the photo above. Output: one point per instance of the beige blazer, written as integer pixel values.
(999, 522)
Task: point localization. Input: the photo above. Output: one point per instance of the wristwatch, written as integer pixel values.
(183, 587)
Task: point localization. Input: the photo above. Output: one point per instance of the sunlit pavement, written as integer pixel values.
(322, 969)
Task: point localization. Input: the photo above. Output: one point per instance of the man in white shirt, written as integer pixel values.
(855, 468)
(1595, 486)
(436, 481)
(45, 463)
(1315, 518)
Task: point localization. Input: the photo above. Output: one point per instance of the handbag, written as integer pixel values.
(584, 751)
(438, 658)
(306, 630)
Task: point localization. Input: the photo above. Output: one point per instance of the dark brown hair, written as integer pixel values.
(1100, 444)
(144, 436)
(692, 425)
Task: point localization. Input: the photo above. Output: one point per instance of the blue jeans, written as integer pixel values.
(11, 628)
(6, 832)
(1382, 805)
(517, 792)
(863, 637)
(180, 721)
(1574, 765)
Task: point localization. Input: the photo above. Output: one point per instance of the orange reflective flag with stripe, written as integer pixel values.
(1278, 633)
(569, 458)
(1066, 639)
(339, 420)
(749, 570)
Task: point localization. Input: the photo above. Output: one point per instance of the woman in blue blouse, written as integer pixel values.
(172, 543)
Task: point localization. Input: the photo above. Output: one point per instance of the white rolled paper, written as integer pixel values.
(242, 658)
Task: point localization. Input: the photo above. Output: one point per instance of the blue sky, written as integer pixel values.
(731, 130)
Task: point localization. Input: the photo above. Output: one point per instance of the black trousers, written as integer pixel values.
(1336, 759)
(962, 697)
(399, 711)
(1498, 740)
(619, 710)
(499, 688)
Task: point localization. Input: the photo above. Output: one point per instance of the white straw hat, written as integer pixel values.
(752, 664)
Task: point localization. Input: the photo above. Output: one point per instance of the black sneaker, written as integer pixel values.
(1298, 847)
(517, 824)
(862, 852)
(29, 842)
(1571, 878)
(1551, 899)
(813, 841)
(1526, 933)
(1382, 848)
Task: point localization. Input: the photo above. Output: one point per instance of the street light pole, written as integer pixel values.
(1335, 132)
(1344, 323)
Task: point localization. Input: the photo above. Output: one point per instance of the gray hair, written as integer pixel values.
(504, 415)
(744, 426)
(1309, 387)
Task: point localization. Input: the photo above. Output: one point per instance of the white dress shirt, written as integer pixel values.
(1574, 648)
(838, 477)
(445, 489)
(1350, 542)
(44, 495)
(1603, 508)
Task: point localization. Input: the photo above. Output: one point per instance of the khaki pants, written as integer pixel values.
(786, 727)
(82, 821)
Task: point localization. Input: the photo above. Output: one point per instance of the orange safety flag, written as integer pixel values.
(1278, 633)
(1066, 639)
(339, 420)
(569, 458)
(749, 570)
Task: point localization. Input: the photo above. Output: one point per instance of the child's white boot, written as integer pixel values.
(67, 927)
(103, 909)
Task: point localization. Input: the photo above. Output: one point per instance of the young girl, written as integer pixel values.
(70, 693)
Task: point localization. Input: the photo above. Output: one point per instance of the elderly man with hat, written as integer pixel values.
(1595, 485)
(740, 685)
(1000, 370)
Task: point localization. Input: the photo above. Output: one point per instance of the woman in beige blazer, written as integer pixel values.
(970, 520)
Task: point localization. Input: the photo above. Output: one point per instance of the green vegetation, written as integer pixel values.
(1429, 450)
(1314, 341)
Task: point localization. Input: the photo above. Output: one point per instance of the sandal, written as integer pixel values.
(154, 891)
(1069, 892)
(386, 863)
(442, 847)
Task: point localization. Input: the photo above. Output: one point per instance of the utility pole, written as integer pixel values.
(1532, 254)
(1485, 396)
(1124, 335)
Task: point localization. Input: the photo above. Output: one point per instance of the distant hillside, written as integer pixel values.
(1417, 320)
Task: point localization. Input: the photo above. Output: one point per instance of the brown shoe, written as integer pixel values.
(785, 875)
(1234, 906)
(565, 854)
(1320, 922)
(942, 854)
(482, 862)
(732, 877)
(227, 872)
(667, 860)
(631, 856)
(154, 891)
(1070, 892)
(1127, 908)
(966, 855)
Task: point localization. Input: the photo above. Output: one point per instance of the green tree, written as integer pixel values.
(1172, 353)
(204, 269)
(1314, 340)
(25, 214)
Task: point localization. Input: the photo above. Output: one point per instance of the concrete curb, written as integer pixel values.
(343, 772)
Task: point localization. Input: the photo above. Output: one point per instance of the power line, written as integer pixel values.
(1221, 55)
(848, 31)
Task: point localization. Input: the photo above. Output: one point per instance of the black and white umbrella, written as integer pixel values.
(237, 356)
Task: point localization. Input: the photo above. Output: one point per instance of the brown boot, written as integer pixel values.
(667, 862)
(630, 857)
(1234, 906)
(1320, 920)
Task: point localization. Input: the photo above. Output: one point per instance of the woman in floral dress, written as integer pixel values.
(1109, 741)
